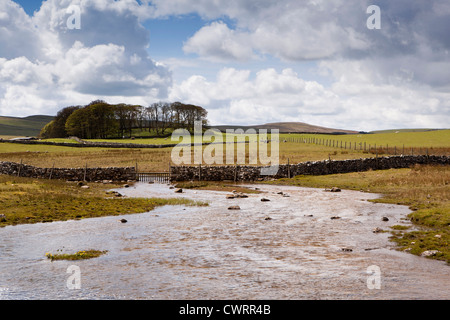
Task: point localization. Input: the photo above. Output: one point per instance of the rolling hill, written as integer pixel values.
(289, 127)
(28, 126)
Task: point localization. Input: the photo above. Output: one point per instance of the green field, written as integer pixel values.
(437, 142)
(19, 127)
(436, 138)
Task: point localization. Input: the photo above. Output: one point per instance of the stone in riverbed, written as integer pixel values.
(234, 208)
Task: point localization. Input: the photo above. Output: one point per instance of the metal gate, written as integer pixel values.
(159, 177)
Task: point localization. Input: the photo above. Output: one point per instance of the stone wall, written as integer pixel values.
(99, 144)
(221, 173)
(69, 174)
(253, 173)
(91, 144)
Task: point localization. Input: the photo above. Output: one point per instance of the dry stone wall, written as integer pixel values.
(91, 144)
(69, 174)
(253, 173)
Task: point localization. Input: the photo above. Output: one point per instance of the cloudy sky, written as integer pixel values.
(245, 61)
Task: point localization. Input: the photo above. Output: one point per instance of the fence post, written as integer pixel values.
(20, 168)
(51, 171)
(170, 171)
(200, 172)
(85, 170)
(289, 170)
(235, 172)
(136, 175)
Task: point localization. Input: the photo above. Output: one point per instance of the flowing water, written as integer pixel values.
(310, 245)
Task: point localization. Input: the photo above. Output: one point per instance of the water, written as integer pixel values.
(178, 252)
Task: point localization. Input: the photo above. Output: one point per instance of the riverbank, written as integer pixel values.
(424, 189)
(27, 200)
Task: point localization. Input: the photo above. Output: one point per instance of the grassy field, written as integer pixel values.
(159, 159)
(24, 200)
(28, 126)
(435, 139)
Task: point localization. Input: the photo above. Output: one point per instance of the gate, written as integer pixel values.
(160, 177)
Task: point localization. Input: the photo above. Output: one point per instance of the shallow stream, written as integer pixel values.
(308, 245)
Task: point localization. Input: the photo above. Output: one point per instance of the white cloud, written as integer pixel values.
(47, 66)
(353, 101)
(217, 42)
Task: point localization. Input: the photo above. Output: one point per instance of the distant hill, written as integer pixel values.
(289, 127)
(403, 130)
(28, 126)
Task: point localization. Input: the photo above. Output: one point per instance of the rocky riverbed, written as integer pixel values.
(300, 244)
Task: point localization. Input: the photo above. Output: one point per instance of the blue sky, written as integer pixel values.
(247, 61)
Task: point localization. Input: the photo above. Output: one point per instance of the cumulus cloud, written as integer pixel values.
(354, 102)
(396, 76)
(413, 36)
(53, 65)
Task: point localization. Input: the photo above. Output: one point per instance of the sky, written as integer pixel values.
(331, 63)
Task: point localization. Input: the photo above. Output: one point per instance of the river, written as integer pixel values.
(308, 245)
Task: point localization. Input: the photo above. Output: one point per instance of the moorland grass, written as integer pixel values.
(25, 200)
(80, 255)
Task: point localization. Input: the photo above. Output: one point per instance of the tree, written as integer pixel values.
(57, 127)
(78, 124)
(47, 130)
(96, 120)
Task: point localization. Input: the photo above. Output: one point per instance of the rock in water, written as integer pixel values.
(264, 199)
(234, 208)
(179, 190)
(123, 220)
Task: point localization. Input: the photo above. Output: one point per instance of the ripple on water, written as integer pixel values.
(177, 252)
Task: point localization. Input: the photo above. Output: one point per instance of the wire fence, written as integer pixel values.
(373, 148)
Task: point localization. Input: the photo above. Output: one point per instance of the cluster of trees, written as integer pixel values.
(99, 120)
